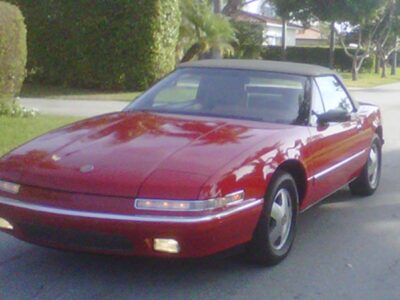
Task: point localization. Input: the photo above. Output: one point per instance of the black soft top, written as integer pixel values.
(261, 65)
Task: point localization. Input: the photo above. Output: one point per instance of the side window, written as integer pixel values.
(333, 95)
(317, 107)
(184, 90)
(282, 99)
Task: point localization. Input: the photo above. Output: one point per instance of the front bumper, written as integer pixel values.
(133, 234)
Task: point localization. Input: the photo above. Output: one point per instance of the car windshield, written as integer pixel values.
(227, 93)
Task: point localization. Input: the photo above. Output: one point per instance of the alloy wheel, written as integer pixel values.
(373, 166)
(281, 219)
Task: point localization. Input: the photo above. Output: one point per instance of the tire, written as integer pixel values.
(275, 231)
(368, 181)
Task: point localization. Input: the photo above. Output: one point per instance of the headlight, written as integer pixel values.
(189, 205)
(9, 187)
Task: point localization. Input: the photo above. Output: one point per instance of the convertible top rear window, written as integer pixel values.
(241, 94)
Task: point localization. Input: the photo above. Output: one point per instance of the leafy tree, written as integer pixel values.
(386, 40)
(291, 10)
(329, 11)
(365, 18)
(202, 30)
(249, 39)
(232, 6)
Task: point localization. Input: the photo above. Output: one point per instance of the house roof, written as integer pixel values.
(261, 65)
(309, 33)
(251, 17)
(247, 16)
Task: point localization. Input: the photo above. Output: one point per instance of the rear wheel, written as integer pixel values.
(274, 235)
(367, 183)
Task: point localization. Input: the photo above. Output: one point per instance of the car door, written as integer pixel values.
(336, 147)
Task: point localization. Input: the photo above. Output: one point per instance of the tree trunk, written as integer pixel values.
(284, 37)
(383, 65)
(377, 64)
(231, 7)
(215, 52)
(394, 58)
(217, 6)
(192, 52)
(354, 69)
(332, 44)
(394, 63)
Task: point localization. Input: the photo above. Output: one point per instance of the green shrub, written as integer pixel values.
(12, 51)
(15, 109)
(249, 40)
(317, 56)
(102, 44)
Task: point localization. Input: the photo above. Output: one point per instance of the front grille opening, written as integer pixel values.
(70, 238)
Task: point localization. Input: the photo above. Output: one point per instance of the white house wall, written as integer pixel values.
(273, 36)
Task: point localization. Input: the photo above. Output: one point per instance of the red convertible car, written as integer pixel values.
(220, 153)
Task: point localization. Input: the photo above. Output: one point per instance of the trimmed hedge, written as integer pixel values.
(102, 44)
(317, 56)
(12, 51)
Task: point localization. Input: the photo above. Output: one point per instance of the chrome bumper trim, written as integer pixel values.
(138, 218)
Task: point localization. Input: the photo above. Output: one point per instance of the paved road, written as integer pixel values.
(346, 248)
(73, 107)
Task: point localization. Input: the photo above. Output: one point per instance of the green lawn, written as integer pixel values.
(370, 79)
(15, 131)
(34, 90)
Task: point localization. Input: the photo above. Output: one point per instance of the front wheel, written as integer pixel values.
(274, 234)
(367, 183)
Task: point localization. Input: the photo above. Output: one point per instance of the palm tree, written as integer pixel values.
(202, 30)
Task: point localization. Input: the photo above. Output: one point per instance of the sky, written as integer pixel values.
(253, 7)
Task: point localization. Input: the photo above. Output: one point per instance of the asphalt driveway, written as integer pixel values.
(346, 248)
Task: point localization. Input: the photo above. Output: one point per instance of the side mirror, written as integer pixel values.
(337, 116)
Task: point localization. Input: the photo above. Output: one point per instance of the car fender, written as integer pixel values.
(252, 171)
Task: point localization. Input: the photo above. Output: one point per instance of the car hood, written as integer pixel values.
(131, 154)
